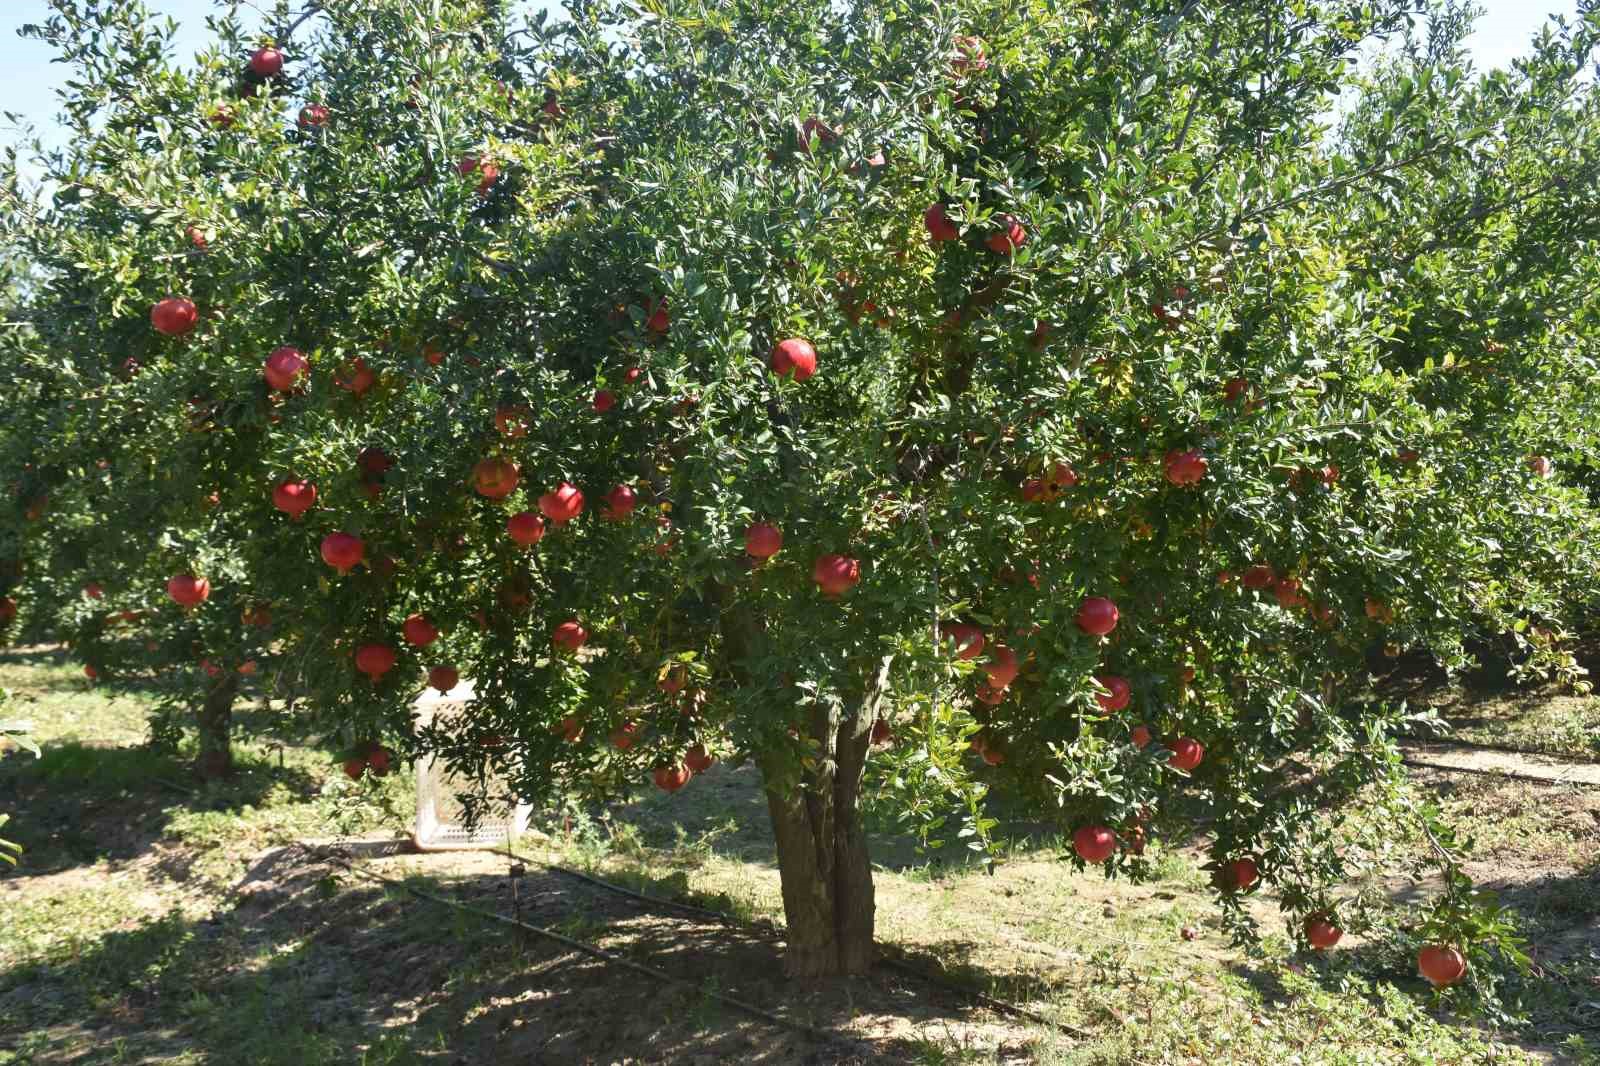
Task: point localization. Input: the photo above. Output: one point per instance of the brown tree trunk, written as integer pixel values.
(215, 724)
(822, 848)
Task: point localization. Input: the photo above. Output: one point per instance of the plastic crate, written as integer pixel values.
(441, 819)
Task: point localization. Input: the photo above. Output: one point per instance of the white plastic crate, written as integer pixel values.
(441, 821)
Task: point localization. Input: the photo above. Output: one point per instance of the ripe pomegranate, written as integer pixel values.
(374, 462)
(94, 591)
(495, 478)
(562, 504)
(1094, 843)
(1097, 616)
(990, 695)
(266, 62)
(418, 631)
(968, 56)
(571, 729)
(248, 668)
(814, 127)
(1321, 933)
(258, 615)
(1002, 668)
(698, 759)
(90, 672)
(1010, 237)
(294, 497)
(1140, 735)
(1441, 964)
(673, 680)
(620, 502)
(622, 737)
(1379, 611)
(763, 540)
(284, 367)
(343, 551)
(631, 375)
(1407, 456)
(993, 756)
(1541, 466)
(658, 320)
(1184, 467)
(1186, 754)
(354, 767)
(672, 778)
(174, 316)
(8, 610)
(1289, 595)
(444, 678)
(1259, 576)
(379, 761)
(526, 528)
(967, 638)
(940, 228)
(313, 115)
(1240, 874)
(375, 660)
(1118, 693)
(604, 400)
(794, 358)
(188, 591)
(197, 237)
(1061, 476)
(512, 422)
(1037, 490)
(222, 116)
(835, 574)
(569, 636)
(432, 355)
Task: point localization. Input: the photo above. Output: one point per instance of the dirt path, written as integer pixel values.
(1544, 768)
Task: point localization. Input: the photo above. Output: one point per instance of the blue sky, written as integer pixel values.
(31, 78)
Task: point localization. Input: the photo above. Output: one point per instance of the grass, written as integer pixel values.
(151, 922)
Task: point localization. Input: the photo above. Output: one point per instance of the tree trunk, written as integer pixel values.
(822, 847)
(216, 723)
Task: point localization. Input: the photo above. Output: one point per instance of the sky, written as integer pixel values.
(31, 78)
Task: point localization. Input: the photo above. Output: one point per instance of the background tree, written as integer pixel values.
(956, 408)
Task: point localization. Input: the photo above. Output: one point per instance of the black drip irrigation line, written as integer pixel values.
(1475, 745)
(771, 933)
(821, 1035)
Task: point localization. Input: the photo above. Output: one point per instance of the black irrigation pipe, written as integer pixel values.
(1451, 742)
(821, 1035)
(766, 929)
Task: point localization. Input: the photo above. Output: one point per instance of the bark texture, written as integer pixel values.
(215, 721)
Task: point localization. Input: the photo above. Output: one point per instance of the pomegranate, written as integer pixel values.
(631, 375)
(512, 422)
(248, 668)
(794, 358)
(1097, 616)
(174, 316)
(658, 320)
(622, 737)
(1118, 692)
(375, 660)
(259, 615)
(763, 540)
(1441, 964)
(570, 728)
(418, 631)
(1061, 476)
(1140, 735)
(1094, 843)
(620, 502)
(294, 497)
(8, 610)
(284, 367)
(379, 761)
(374, 462)
(354, 767)
(1186, 754)
(990, 695)
(343, 551)
(313, 115)
(1184, 467)
(1541, 466)
(94, 591)
(188, 591)
(1259, 576)
(939, 226)
(1010, 237)
(1289, 595)
(495, 478)
(569, 636)
(222, 116)
(672, 778)
(968, 56)
(266, 62)
(526, 528)
(698, 759)
(967, 638)
(1379, 611)
(1002, 668)
(835, 574)
(604, 400)
(444, 678)
(90, 672)
(562, 504)
(1240, 874)
(1321, 933)
(673, 680)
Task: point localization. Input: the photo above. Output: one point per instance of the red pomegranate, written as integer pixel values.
(313, 115)
(1541, 466)
(495, 478)
(1259, 576)
(658, 320)
(187, 590)
(90, 672)
(374, 462)
(794, 358)
(258, 615)
(1321, 933)
(444, 678)
(763, 540)
(512, 422)
(940, 228)
(604, 400)
(835, 574)
(174, 316)
(1186, 754)
(354, 767)
(355, 376)
(620, 502)
(1379, 611)
(1441, 964)
(1010, 237)
(673, 680)
(1140, 735)
(562, 504)
(94, 591)
(379, 761)
(672, 778)
(622, 737)
(1094, 843)
(698, 759)
(967, 638)
(1097, 616)
(418, 631)
(1289, 595)
(266, 62)
(1118, 692)
(526, 528)
(1061, 476)
(284, 367)
(631, 375)
(968, 56)
(1184, 467)
(990, 695)
(294, 497)
(1002, 668)
(222, 116)
(375, 660)
(1240, 874)
(343, 551)
(569, 636)
(8, 610)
